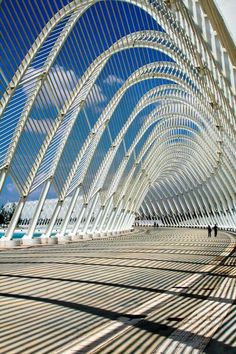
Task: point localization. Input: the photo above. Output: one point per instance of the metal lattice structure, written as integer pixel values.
(126, 105)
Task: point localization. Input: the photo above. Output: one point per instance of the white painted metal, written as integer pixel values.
(53, 218)
(169, 151)
(15, 218)
(3, 174)
(38, 209)
(69, 212)
(97, 220)
(78, 221)
(104, 216)
(90, 213)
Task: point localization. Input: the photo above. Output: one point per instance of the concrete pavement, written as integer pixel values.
(163, 291)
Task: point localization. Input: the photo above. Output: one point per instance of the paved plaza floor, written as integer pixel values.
(153, 291)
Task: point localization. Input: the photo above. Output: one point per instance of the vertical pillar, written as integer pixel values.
(69, 212)
(110, 221)
(15, 218)
(3, 174)
(78, 221)
(175, 219)
(130, 220)
(116, 216)
(53, 218)
(106, 210)
(125, 220)
(119, 223)
(94, 203)
(109, 218)
(38, 209)
(97, 219)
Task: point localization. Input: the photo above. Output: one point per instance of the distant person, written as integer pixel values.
(154, 224)
(209, 231)
(215, 230)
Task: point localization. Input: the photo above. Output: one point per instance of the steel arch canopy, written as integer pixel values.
(117, 109)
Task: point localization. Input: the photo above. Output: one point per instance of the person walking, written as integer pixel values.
(215, 230)
(209, 231)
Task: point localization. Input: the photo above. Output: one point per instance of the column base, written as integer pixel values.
(4, 243)
(96, 235)
(64, 239)
(103, 234)
(76, 237)
(27, 241)
(87, 236)
(44, 239)
(52, 240)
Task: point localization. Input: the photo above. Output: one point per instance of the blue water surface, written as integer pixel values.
(21, 234)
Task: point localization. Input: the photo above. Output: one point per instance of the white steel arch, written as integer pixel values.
(125, 107)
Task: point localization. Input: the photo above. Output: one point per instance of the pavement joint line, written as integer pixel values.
(185, 331)
(149, 307)
(196, 341)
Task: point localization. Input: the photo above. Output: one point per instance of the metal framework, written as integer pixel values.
(125, 107)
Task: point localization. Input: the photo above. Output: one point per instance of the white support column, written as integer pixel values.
(53, 218)
(2, 177)
(116, 217)
(90, 213)
(120, 220)
(69, 212)
(77, 224)
(175, 219)
(109, 218)
(97, 219)
(124, 220)
(130, 221)
(15, 218)
(38, 209)
(117, 220)
(110, 221)
(106, 210)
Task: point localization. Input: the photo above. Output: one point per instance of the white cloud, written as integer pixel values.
(96, 95)
(113, 79)
(62, 82)
(11, 188)
(57, 86)
(96, 99)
